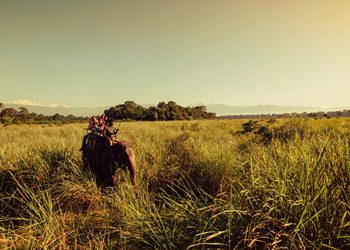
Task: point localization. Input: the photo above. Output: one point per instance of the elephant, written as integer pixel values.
(104, 159)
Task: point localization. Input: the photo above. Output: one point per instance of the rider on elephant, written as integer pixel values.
(99, 129)
(111, 132)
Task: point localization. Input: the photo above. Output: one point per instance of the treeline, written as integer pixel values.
(127, 111)
(162, 112)
(22, 115)
(330, 114)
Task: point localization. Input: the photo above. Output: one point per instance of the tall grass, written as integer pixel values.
(203, 184)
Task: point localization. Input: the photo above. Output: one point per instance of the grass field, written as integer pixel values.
(203, 184)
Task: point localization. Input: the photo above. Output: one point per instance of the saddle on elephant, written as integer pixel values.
(100, 130)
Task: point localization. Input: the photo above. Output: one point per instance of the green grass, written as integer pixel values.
(203, 184)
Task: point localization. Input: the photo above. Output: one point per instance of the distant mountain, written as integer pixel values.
(223, 109)
(76, 111)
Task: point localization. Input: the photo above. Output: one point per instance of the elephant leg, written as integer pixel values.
(92, 160)
(89, 161)
(107, 173)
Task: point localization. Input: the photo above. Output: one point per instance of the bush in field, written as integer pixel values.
(287, 131)
(249, 126)
(292, 128)
(263, 133)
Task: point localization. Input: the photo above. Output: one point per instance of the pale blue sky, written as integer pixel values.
(97, 53)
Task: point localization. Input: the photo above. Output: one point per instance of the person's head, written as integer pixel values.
(109, 122)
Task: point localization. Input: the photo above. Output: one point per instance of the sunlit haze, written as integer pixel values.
(97, 53)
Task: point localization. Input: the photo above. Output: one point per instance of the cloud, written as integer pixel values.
(30, 103)
(58, 105)
(26, 102)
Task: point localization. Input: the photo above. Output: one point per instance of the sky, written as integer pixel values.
(240, 52)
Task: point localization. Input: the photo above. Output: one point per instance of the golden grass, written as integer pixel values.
(204, 184)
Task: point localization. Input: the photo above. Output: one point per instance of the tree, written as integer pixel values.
(151, 114)
(162, 112)
(9, 112)
(57, 117)
(23, 113)
(8, 115)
